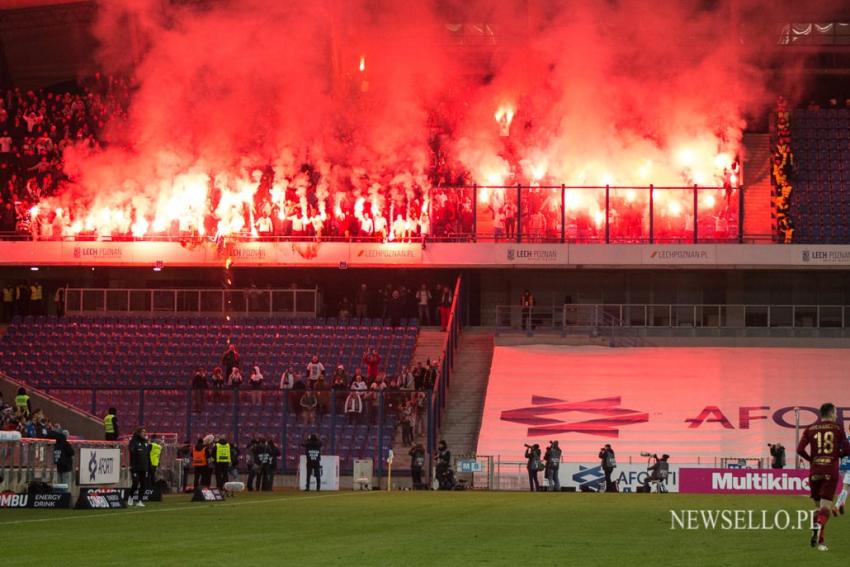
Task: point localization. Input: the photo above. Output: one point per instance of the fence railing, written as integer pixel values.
(375, 422)
(536, 213)
(600, 319)
(450, 345)
(273, 302)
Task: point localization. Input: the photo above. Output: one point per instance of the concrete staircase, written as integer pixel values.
(429, 345)
(465, 402)
(757, 188)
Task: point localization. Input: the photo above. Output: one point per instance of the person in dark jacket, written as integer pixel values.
(63, 458)
(268, 483)
(608, 462)
(532, 456)
(140, 464)
(230, 360)
(313, 452)
(263, 461)
(417, 465)
(552, 457)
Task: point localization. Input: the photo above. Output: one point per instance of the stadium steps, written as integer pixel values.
(429, 345)
(465, 402)
(78, 423)
(757, 188)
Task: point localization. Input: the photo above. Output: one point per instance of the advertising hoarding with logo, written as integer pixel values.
(629, 477)
(696, 404)
(744, 481)
(100, 466)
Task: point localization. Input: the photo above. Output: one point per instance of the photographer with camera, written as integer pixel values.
(552, 457)
(777, 456)
(656, 471)
(609, 463)
(444, 475)
(533, 464)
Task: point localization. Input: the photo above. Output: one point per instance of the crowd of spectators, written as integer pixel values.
(393, 303)
(20, 415)
(783, 171)
(36, 126)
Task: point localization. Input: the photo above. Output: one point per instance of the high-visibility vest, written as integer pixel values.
(8, 294)
(222, 453)
(108, 426)
(22, 401)
(199, 457)
(156, 449)
(35, 293)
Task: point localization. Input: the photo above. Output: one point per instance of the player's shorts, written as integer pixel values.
(823, 486)
(846, 477)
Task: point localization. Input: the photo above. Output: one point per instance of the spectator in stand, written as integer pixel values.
(139, 466)
(234, 380)
(354, 400)
(315, 370)
(431, 373)
(63, 458)
(361, 302)
(59, 301)
(345, 309)
(296, 393)
(218, 382)
(309, 402)
(230, 360)
(376, 398)
(445, 307)
(423, 300)
(527, 308)
(408, 380)
(287, 379)
(322, 390)
(255, 382)
(199, 389)
(339, 389)
(372, 360)
(396, 308)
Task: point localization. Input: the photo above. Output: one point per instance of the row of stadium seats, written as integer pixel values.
(821, 198)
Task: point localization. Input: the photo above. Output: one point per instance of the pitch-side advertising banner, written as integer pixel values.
(100, 466)
(629, 477)
(696, 404)
(744, 481)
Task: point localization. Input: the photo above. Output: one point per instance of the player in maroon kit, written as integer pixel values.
(828, 444)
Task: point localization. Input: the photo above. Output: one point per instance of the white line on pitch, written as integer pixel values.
(181, 508)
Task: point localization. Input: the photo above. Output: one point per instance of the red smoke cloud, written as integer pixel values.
(620, 93)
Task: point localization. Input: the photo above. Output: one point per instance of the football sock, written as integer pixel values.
(841, 497)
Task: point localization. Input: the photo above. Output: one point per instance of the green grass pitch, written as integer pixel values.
(412, 528)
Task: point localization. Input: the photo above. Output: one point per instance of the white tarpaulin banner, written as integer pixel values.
(696, 404)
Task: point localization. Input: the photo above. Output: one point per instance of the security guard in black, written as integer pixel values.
(313, 452)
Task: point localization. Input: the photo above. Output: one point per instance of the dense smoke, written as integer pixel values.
(242, 105)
